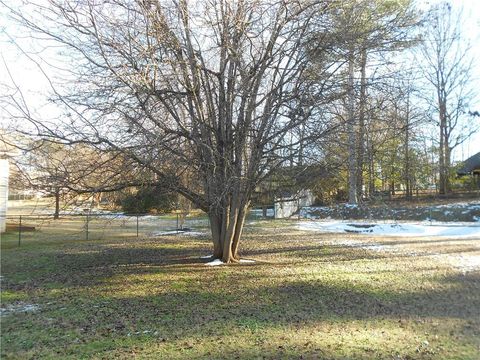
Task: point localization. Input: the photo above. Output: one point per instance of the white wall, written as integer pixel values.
(286, 208)
(3, 193)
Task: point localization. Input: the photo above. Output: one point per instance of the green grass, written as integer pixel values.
(304, 297)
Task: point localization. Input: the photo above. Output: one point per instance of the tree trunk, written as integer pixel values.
(238, 231)
(441, 164)
(301, 145)
(216, 226)
(227, 230)
(352, 160)
(408, 181)
(361, 125)
(441, 161)
(56, 214)
(447, 166)
(371, 172)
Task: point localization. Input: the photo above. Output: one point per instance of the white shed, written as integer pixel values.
(3, 194)
(286, 207)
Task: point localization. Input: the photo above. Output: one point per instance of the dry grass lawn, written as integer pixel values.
(308, 295)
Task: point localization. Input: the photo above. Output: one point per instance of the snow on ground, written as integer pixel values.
(215, 262)
(473, 205)
(179, 232)
(362, 245)
(247, 261)
(259, 212)
(306, 212)
(16, 308)
(393, 229)
(458, 211)
(461, 261)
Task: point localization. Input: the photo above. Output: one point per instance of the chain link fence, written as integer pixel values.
(40, 228)
(27, 228)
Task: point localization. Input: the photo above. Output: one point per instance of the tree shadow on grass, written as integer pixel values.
(185, 299)
(87, 264)
(357, 250)
(93, 263)
(287, 299)
(185, 314)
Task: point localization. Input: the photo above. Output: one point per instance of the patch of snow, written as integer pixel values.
(366, 246)
(149, 217)
(119, 216)
(161, 233)
(309, 216)
(16, 308)
(315, 208)
(206, 257)
(393, 229)
(179, 232)
(193, 233)
(247, 261)
(93, 212)
(215, 262)
(465, 263)
(218, 262)
(472, 205)
(259, 212)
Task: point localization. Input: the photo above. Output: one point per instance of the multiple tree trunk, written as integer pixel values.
(196, 96)
(446, 67)
(204, 99)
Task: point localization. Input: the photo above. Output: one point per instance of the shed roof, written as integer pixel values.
(471, 165)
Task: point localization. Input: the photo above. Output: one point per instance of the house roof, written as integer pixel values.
(470, 166)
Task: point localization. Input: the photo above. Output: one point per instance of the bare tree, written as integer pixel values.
(203, 88)
(65, 171)
(446, 66)
(46, 169)
(365, 31)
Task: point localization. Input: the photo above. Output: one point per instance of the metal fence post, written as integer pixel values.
(20, 230)
(177, 221)
(137, 226)
(86, 227)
